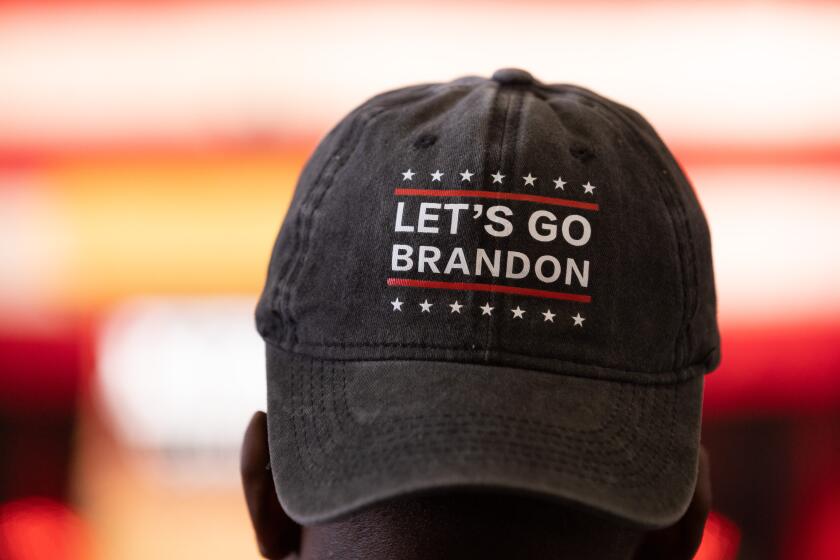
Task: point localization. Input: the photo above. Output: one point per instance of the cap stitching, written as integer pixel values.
(316, 196)
(488, 339)
(498, 160)
(399, 427)
(675, 205)
(680, 336)
(691, 309)
(517, 97)
(508, 419)
(393, 453)
(681, 373)
(535, 457)
(294, 422)
(282, 285)
(551, 463)
(297, 389)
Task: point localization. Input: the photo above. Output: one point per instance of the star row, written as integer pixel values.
(498, 178)
(486, 309)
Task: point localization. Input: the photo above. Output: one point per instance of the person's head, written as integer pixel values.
(489, 295)
(461, 525)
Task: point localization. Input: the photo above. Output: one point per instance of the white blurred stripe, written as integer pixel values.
(181, 374)
(35, 244)
(775, 237)
(740, 72)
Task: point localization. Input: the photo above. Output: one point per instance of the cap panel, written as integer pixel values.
(629, 323)
(332, 154)
(272, 322)
(342, 305)
(699, 340)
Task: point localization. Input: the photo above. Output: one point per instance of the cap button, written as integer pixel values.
(513, 76)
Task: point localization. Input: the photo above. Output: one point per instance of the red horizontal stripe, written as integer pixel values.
(16, 152)
(476, 287)
(498, 196)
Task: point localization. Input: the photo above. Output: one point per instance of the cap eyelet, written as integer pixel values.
(581, 153)
(425, 140)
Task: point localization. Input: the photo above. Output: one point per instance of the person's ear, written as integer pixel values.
(681, 540)
(277, 535)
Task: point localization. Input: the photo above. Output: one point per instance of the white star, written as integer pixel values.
(397, 304)
(407, 175)
(549, 316)
(486, 309)
(529, 180)
(427, 307)
(466, 175)
(437, 175)
(518, 312)
(497, 177)
(456, 307)
(559, 182)
(589, 188)
(578, 320)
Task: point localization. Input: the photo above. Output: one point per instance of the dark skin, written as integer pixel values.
(459, 525)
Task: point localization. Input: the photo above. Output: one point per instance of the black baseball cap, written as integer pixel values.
(489, 284)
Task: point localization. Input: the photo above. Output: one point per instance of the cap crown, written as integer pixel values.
(414, 222)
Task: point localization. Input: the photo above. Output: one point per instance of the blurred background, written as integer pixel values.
(148, 150)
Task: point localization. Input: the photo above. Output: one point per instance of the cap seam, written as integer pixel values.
(283, 282)
(673, 206)
(604, 372)
(512, 120)
(315, 198)
(489, 336)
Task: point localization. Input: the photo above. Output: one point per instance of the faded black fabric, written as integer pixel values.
(653, 305)
(345, 434)
(650, 327)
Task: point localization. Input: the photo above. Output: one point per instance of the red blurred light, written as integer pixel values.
(720, 539)
(42, 370)
(776, 368)
(40, 529)
(816, 533)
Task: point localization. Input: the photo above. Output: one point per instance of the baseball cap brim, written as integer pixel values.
(347, 434)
